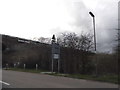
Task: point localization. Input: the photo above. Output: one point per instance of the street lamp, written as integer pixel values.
(94, 28)
(94, 39)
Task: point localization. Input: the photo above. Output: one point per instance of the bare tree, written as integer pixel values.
(44, 40)
(68, 40)
(41, 39)
(83, 42)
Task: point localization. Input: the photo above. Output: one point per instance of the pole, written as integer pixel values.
(52, 64)
(59, 61)
(53, 42)
(96, 70)
(94, 33)
(52, 57)
(58, 65)
(94, 41)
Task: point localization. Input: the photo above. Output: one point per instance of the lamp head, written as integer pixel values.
(91, 14)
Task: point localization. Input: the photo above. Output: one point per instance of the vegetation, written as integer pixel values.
(76, 55)
(82, 42)
(26, 70)
(103, 78)
(19, 53)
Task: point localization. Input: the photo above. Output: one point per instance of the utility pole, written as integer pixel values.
(93, 16)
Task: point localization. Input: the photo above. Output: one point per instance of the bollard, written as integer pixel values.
(6, 66)
(36, 66)
(14, 65)
(24, 66)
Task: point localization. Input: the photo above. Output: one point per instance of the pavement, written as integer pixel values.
(15, 79)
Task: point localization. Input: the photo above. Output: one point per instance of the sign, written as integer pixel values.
(56, 56)
(55, 49)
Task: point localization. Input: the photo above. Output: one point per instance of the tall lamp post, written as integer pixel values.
(94, 28)
(93, 16)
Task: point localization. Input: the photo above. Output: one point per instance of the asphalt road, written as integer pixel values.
(14, 79)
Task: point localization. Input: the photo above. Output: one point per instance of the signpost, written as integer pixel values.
(55, 53)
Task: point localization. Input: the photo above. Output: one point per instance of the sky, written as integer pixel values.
(43, 18)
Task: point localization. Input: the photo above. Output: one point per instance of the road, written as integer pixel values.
(15, 79)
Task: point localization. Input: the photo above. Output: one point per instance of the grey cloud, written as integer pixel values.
(106, 25)
(106, 22)
(80, 14)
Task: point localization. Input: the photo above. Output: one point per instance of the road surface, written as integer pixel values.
(15, 79)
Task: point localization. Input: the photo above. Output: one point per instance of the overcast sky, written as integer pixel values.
(43, 18)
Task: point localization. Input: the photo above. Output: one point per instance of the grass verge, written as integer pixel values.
(27, 70)
(102, 78)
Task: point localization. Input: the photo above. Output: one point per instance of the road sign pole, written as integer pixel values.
(52, 64)
(59, 61)
(55, 52)
(58, 65)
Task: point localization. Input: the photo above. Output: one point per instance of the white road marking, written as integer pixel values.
(4, 83)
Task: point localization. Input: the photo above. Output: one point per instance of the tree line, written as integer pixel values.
(76, 55)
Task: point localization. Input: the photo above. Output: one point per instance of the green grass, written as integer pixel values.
(105, 78)
(27, 70)
(102, 78)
